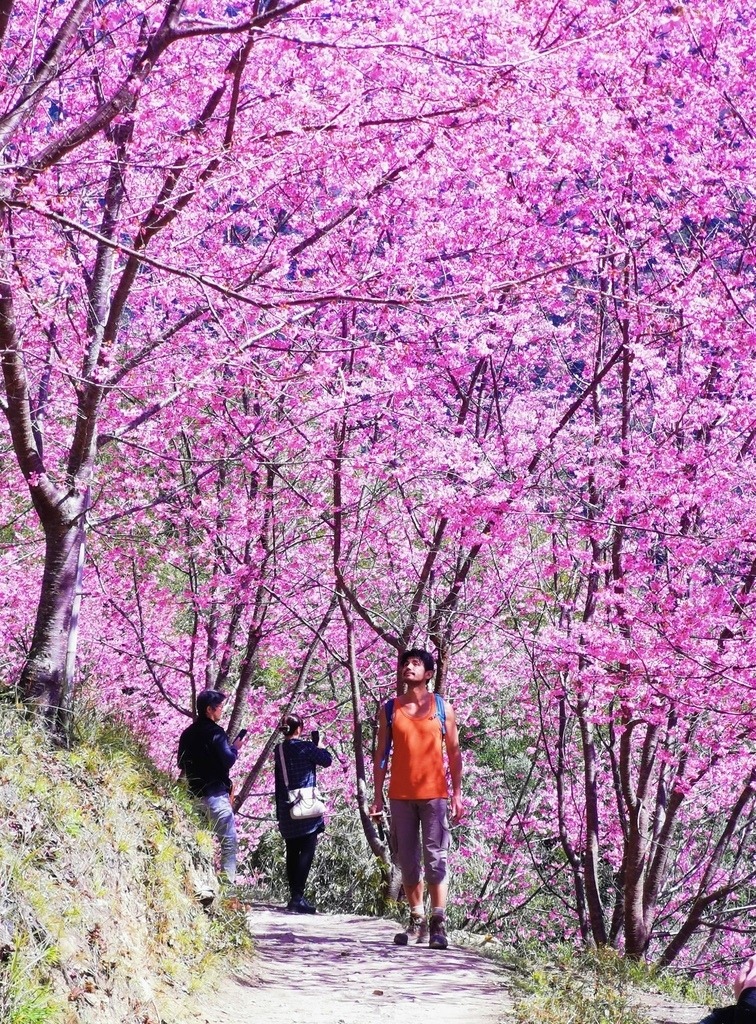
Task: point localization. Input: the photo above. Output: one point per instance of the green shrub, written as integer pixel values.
(568, 985)
(345, 876)
(24, 999)
(573, 988)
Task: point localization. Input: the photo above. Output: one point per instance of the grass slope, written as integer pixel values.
(99, 858)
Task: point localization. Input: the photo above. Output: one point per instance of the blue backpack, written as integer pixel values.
(388, 707)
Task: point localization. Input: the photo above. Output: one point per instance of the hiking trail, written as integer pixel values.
(343, 969)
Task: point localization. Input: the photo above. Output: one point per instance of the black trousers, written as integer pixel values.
(744, 1011)
(300, 853)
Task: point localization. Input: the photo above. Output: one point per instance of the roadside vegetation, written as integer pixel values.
(563, 984)
(100, 856)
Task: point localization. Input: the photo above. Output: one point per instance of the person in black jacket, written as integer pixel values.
(300, 836)
(744, 1010)
(205, 758)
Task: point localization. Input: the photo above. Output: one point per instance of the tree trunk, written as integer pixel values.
(378, 843)
(591, 866)
(43, 675)
(299, 686)
(68, 690)
(637, 844)
(570, 853)
(706, 896)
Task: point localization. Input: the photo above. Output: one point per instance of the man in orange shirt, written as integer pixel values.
(419, 794)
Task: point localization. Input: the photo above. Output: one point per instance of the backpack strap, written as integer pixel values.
(388, 707)
(441, 712)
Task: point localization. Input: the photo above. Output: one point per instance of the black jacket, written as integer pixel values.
(205, 757)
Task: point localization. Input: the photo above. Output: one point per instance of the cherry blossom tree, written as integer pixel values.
(332, 329)
(134, 140)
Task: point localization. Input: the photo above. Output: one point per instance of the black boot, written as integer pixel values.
(299, 905)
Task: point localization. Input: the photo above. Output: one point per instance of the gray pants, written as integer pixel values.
(221, 815)
(410, 819)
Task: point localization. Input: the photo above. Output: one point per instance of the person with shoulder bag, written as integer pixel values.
(299, 807)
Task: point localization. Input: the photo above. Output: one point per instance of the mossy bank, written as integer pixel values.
(100, 857)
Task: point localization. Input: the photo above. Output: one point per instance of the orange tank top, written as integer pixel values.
(417, 761)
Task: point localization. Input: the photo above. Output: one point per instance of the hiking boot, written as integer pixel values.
(205, 896)
(438, 939)
(417, 931)
(299, 905)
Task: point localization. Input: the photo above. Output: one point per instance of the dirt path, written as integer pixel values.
(663, 1010)
(341, 969)
(346, 970)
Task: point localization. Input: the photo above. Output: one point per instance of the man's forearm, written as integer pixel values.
(455, 770)
(379, 777)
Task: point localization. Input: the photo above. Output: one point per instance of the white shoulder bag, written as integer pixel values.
(305, 802)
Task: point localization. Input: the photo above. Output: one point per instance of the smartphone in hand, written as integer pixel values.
(241, 735)
(315, 737)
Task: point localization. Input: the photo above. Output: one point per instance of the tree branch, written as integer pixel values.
(46, 70)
